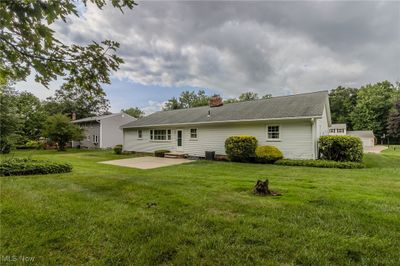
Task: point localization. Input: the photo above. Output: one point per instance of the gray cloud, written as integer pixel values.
(268, 47)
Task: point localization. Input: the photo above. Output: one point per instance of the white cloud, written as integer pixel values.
(153, 107)
(231, 46)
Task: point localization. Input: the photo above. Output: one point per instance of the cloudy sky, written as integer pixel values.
(229, 47)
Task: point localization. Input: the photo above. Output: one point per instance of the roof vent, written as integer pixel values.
(216, 101)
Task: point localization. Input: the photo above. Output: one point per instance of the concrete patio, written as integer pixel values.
(375, 149)
(147, 162)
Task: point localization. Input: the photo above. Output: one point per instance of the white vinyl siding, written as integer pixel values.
(295, 138)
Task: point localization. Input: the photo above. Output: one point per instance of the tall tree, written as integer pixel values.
(342, 102)
(77, 100)
(8, 118)
(374, 102)
(31, 114)
(134, 112)
(172, 104)
(59, 128)
(248, 96)
(28, 43)
(393, 129)
(191, 99)
(187, 99)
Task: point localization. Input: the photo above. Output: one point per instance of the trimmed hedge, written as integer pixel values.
(341, 148)
(320, 163)
(25, 166)
(118, 149)
(241, 148)
(160, 153)
(268, 154)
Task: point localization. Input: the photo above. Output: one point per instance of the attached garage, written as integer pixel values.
(367, 137)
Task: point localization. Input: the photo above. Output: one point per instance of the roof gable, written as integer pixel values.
(98, 118)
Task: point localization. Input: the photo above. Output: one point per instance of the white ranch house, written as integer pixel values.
(291, 123)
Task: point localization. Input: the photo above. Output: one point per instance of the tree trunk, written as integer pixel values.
(261, 188)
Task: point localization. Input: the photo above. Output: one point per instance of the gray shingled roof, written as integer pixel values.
(362, 133)
(338, 126)
(95, 118)
(300, 105)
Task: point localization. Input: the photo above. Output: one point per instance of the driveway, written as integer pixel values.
(375, 149)
(147, 162)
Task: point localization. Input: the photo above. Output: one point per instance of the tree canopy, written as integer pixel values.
(134, 112)
(28, 43)
(59, 129)
(76, 100)
(371, 107)
(187, 99)
(342, 102)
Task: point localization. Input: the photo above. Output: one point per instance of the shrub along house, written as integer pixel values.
(291, 123)
(102, 131)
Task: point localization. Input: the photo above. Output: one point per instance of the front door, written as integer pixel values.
(179, 140)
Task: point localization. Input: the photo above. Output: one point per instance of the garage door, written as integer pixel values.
(367, 142)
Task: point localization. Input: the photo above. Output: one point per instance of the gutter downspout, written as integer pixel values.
(101, 134)
(314, 144)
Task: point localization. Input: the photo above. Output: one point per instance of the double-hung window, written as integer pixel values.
(193, 133)
(140, 134)
(273, 133)
(332, 130)
(340, 130)
(160, 134)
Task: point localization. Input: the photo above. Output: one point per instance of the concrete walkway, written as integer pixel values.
(147, 162)
(375, 149)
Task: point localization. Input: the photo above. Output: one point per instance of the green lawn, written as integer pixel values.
(205, 213)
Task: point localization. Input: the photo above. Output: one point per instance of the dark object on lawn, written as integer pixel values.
(261, 188)
(210, 155)
(151, 204)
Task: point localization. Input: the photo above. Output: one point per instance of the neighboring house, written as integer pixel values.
(102, 131)
(338, 129)
(367, 137)
(291, 123)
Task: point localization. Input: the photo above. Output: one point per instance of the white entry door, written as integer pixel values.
(179, 140)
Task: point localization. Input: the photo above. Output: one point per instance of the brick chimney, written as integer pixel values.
(73, 116)
(216, 101)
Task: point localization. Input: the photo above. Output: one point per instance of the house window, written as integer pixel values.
(160, 134)
(340, 130)
(193, 133)
(332, 130)
(273, 132)
(139, 134)
(88, 137)
(96, 140)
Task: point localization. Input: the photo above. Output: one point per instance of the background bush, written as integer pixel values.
(160, 153)
(118, 149)
(241, 148)
(341, 148)
(320, 163)
(268, 154)
(25, 166)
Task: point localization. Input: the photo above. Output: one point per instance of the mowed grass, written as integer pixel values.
(203, 213)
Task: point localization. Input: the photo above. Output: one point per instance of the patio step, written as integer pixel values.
(175, 155)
